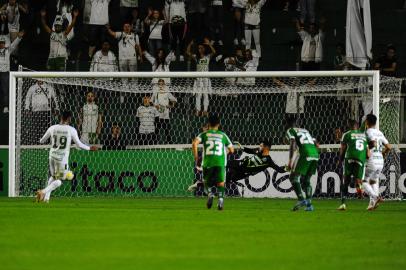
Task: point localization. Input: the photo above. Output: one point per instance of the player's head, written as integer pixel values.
(146, 100)
(290, 121)
(90, 96)
(214, 120)
(66, 117)
(371, 120)
(352, 124)
(2, 42)
(265, 145)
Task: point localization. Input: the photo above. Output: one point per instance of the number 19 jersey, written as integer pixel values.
(61, 137)
(304, 141)
(215, 144)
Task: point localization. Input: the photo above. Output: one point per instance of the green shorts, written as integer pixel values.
(305, 166)
(214, 175)
(355, 168)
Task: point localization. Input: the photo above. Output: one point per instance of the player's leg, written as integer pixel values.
(307, 185)
(208, 185)
(345, 183)
(220, 179)
(368, 188)
(298, 167)
(54, 182)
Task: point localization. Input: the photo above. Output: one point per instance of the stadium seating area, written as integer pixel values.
(279, 40)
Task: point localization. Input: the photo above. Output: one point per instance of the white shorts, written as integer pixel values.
(58, 169)
(373, 171)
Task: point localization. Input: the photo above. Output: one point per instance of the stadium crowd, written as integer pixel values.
(88, 35)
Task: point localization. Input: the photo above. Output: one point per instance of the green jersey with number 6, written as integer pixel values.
(215, 144)
(357, 145)
(304, 141)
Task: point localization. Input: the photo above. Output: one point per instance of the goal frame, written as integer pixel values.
(15, 87)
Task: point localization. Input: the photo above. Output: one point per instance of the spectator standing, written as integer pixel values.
(99, 17)
(5, 53)
(148, 115)
(136, 23)
(12, 10)
(234, 63)
(40, 104)
(252, 23)
(160, 63)
(312, 47)
(128, 47)
(154, 22)
(196, 10)
(104, 60)
(202, 86)
(307, 10)
(57, 43)
(216, 21)
(251, 62)
(163, 101)
(238, 7)
(114, 141)
(90, 120)
(175, 14)
(64, 9)
(387, 63)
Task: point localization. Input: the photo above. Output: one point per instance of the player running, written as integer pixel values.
(61, 136)
(379, 147)
(216, 146)
(305, 163)
(354, 152)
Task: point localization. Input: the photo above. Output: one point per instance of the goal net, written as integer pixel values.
(145, 123)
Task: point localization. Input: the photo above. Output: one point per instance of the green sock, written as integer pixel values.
(221, 191)
(308, 188)
(344, 188)
(294, 180)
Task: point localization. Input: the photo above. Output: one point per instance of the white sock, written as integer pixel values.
(369, 190)
(48, 194)
(375, 187)
(51, 187)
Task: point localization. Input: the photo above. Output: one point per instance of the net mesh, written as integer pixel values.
(158, 118)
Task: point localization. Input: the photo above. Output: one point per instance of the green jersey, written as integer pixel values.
(214, 143)
(357, 145)
(304, 141)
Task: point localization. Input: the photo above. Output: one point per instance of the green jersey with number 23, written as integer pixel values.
(215, 144)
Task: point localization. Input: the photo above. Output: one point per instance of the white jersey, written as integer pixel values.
(126, 45)
(376, 157)
(90, 113)
(147, 117)
(61, 138)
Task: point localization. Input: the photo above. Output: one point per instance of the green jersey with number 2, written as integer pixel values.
(357, 145)
(304, 141)
(215, 144)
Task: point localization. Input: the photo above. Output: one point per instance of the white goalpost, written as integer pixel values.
(153, 156)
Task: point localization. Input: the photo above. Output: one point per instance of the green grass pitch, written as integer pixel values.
(179, 233)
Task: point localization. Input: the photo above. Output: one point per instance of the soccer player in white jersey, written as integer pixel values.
(61, 136)
(379, 146)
